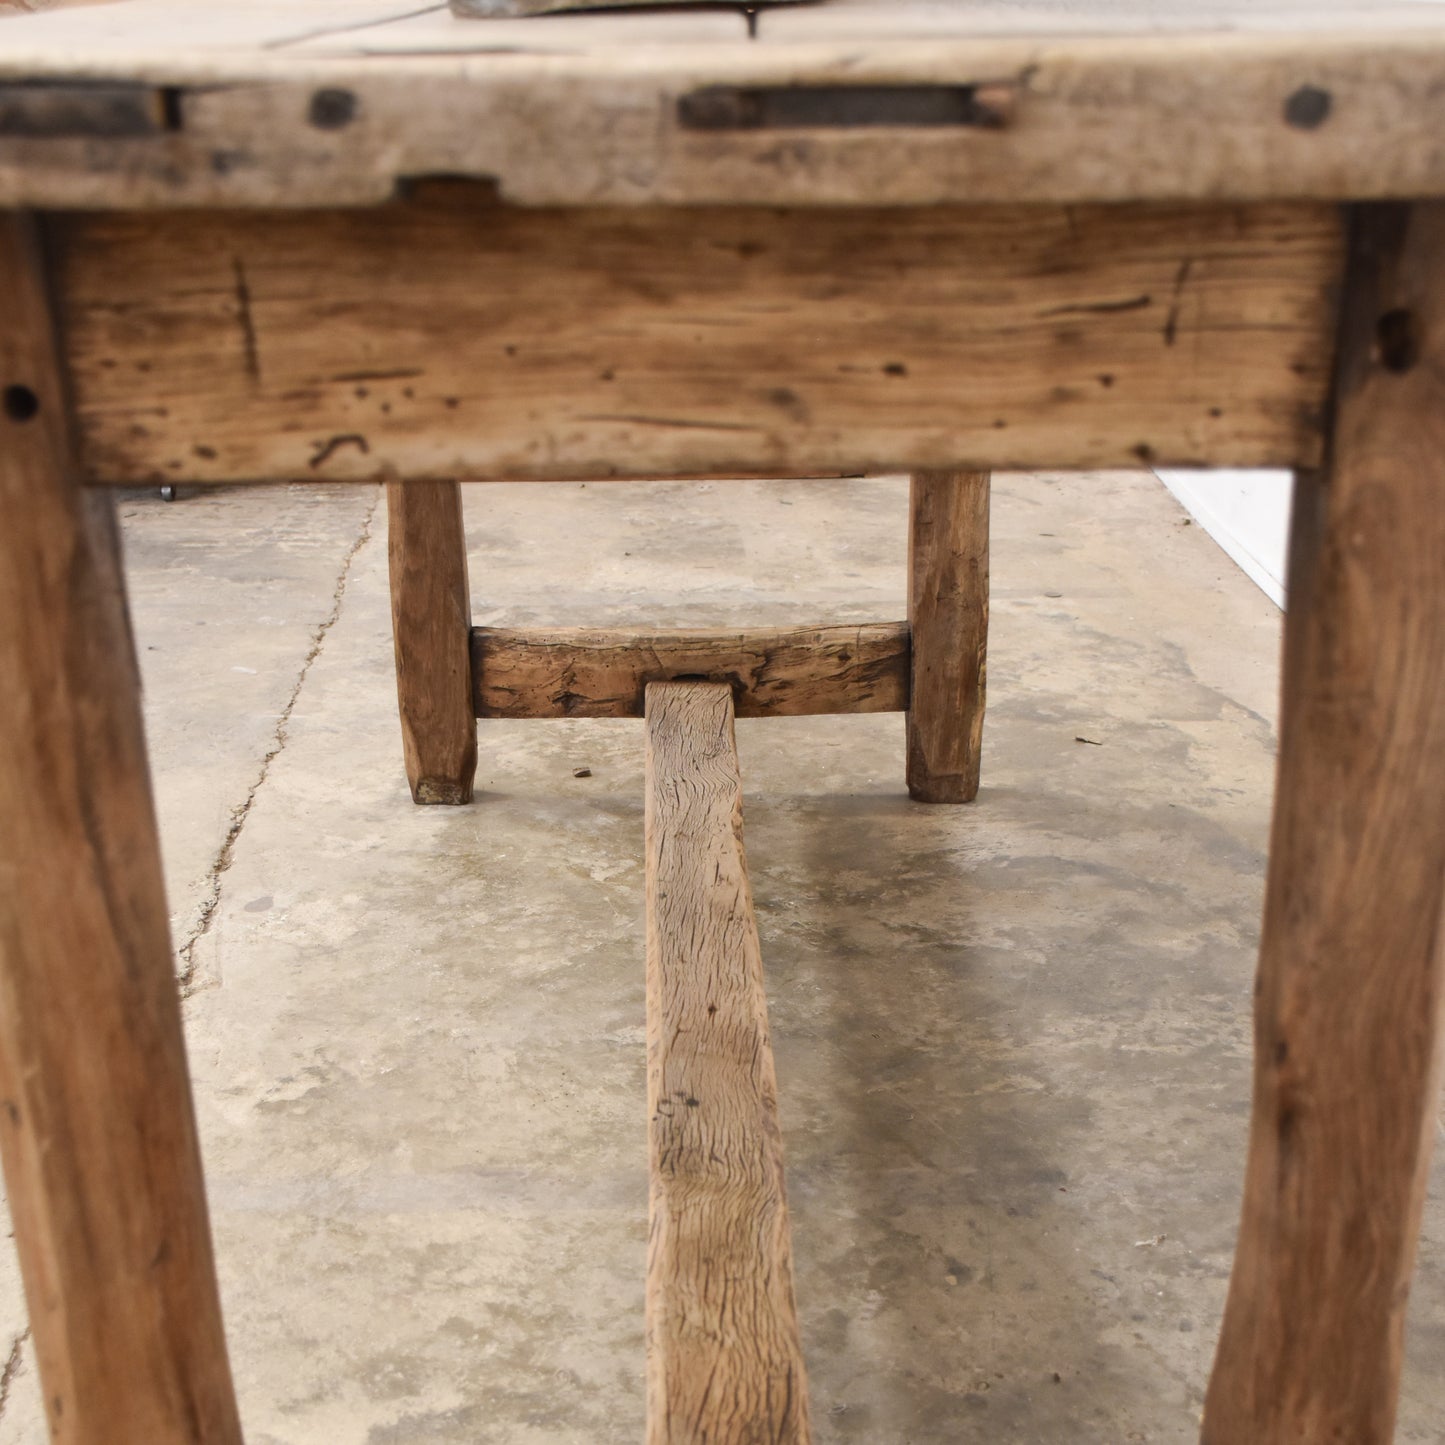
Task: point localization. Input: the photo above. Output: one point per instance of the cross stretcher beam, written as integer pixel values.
(773, 671)
(724, 1362)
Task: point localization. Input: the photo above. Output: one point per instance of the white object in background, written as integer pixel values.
(1247, 513)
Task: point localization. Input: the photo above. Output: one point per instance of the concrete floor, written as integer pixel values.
(1013, 1038)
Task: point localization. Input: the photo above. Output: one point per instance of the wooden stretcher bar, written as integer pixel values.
(774, 671)
(727, 342)
(724, 1360)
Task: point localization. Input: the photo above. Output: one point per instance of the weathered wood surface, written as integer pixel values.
(431, 618)
(501, 9)
(1061, 21)
(948, 620)
(724, 1362)
(1352, 959)
(102, 1167)
(448, 339)
(773, 671)
(333, 102)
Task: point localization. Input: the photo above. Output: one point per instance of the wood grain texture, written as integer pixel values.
(724, 1363)
(948, 619)
(773, 671)
(1352, 960)
(1067, 20)
(102, 1166)
(431, 618)
(449, 339)
(498, 9)
(1116, 103)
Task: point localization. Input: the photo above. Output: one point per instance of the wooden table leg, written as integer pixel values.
(431, 617)
(1350, 980)
(948, 619)
(96, 1125)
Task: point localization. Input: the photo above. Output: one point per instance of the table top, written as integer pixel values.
(90, 33)
(835, 102)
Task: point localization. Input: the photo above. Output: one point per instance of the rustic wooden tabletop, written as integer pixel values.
(333, 102)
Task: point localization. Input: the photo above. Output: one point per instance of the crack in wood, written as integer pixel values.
(325, 450)
(249, 348)
(1171, 322)
(669, 421)
(401, 373)
(326, 31)
(1100, 308)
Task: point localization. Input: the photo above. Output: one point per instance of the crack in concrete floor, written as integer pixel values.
(11, 1367)
(187, 979)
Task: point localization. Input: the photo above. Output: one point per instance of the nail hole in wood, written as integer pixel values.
(1308, 107)
(332, 109)
(1396, 340)
(21, 404)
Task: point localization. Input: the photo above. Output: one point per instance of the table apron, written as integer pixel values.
(448, 337)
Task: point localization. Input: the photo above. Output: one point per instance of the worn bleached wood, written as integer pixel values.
(446, 339)
(264, 31)
(501, 9)
(1115, 103)
(431, 618)
(773, 671)
(948, 619)
(1063, 20)
(102, 1168)
(724, 1362)
(1352, 958)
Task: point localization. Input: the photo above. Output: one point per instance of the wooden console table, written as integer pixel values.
(355, 240)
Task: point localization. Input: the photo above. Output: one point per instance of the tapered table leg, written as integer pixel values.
(431, 629)
(97, 1132)
(948, 622)
(1350, 978)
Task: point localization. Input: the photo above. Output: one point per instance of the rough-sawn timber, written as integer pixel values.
(724, 1361)
(451, 338)
(775, 672)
